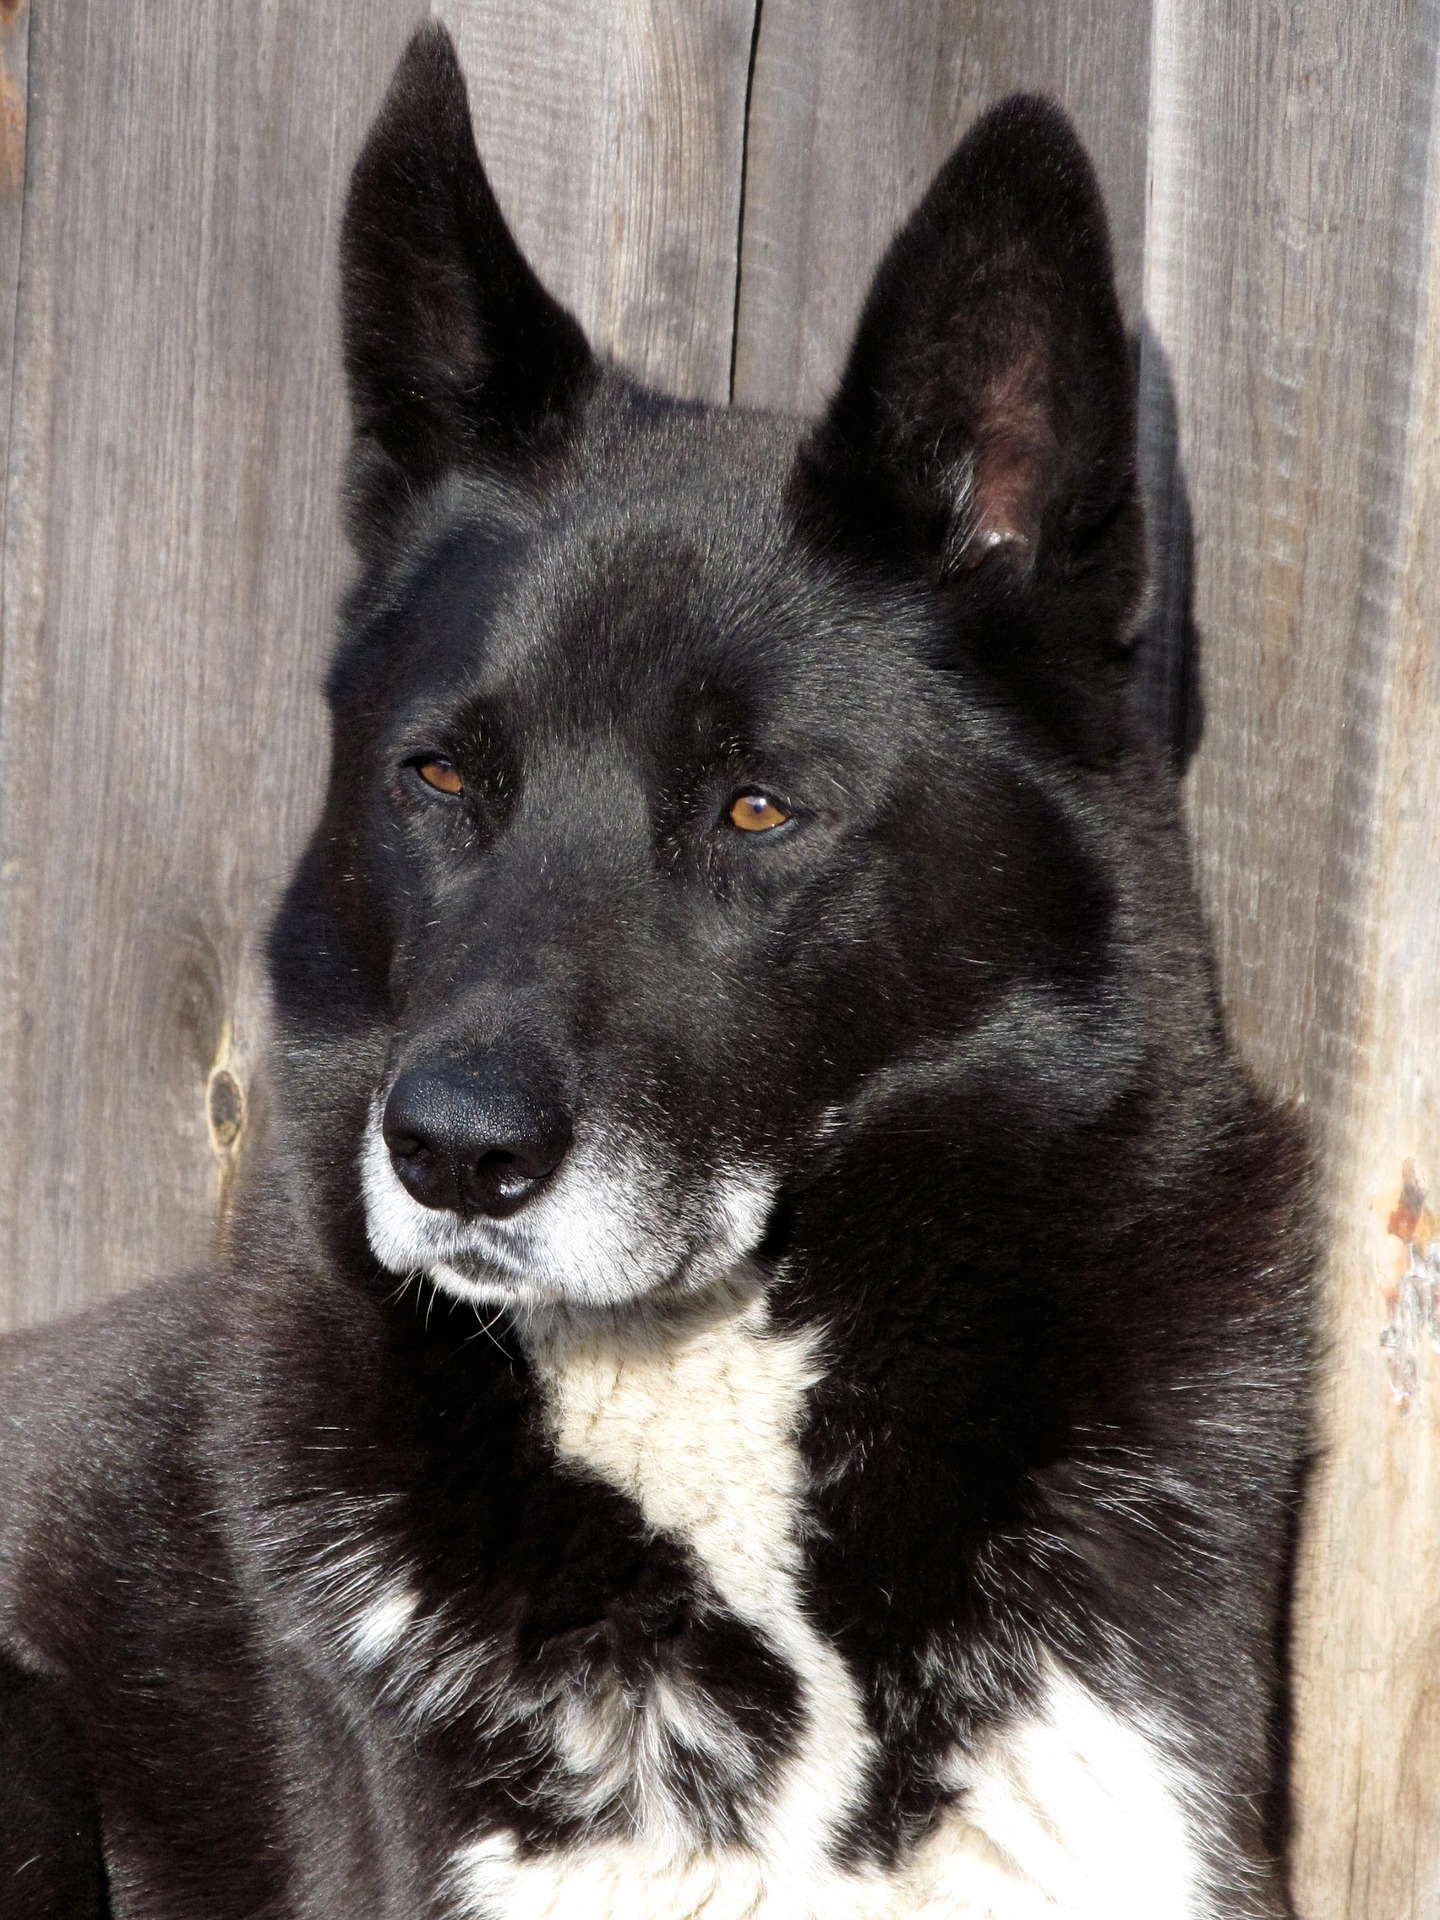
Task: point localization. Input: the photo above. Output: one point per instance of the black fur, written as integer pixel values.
(50, 1859)
(959, 1009)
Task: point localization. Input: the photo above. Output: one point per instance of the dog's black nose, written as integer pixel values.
(473, 1143)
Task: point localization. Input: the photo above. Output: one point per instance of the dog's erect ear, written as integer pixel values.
(985, 420)
(456, 354)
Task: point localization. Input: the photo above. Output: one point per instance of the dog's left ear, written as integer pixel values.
(457, 356)
(985, 421)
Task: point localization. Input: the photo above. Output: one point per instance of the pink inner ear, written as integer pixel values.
(1015, 451)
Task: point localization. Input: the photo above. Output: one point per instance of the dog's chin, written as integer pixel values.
(605, 1234)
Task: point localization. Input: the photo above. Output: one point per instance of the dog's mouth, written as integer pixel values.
(617, 1222)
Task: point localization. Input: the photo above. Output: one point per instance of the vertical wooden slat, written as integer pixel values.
(14, 66)
(614, 136)
(856, 103)
(171, 559)
(1286, 275)
(1281, 273)
(1369, 1755)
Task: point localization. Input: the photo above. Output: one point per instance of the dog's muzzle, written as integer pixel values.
(501, 1200)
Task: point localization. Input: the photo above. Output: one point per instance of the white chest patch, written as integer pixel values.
(695, 1420)
(1071, 1815)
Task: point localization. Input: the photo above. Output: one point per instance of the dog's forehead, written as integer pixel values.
(665, 575)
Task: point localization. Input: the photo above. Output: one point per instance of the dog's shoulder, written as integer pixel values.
(105, 1457)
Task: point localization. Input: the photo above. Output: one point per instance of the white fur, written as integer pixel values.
(1090, 1807)
(1071, 1814)
(380, 1626)
(694, 1416)
(614, 1223)
(358, 1606)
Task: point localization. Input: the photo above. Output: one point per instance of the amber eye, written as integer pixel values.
(756, 813)
(441, 774)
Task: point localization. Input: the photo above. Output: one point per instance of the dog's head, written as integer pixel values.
(700, 781)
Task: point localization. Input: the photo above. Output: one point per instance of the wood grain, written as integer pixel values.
(854, 106)
(1369, 1752)
(1286, 266)
(614, 135)
(14, 71)
(1281, 272)
(172, 557)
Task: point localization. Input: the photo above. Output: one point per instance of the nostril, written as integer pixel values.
(473, 1143)
(530, 1145)
(498, 1172)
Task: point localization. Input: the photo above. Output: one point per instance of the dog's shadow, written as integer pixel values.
(1166, 683)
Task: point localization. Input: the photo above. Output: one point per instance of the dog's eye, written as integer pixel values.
(756, 813)
(441, 774)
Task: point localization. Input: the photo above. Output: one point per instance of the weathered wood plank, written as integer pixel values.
(1285, 275)
(172, 556)
(1369, 1757)
(856, 103)
(14, 65)
(1287, 184)
(614, 138)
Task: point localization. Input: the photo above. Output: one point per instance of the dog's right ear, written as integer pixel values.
(457, 356)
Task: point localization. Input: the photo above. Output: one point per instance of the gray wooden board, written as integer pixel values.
(14, 64)
(171, 560)
(614, 137)
(1287, 274)
(1288, 175)
(854, 106)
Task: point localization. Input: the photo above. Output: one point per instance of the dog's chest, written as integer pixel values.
(1069, 1814)
(696, 1423)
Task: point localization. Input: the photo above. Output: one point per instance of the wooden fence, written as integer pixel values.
(708, 182)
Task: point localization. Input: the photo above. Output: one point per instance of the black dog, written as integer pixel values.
(763, 1372)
